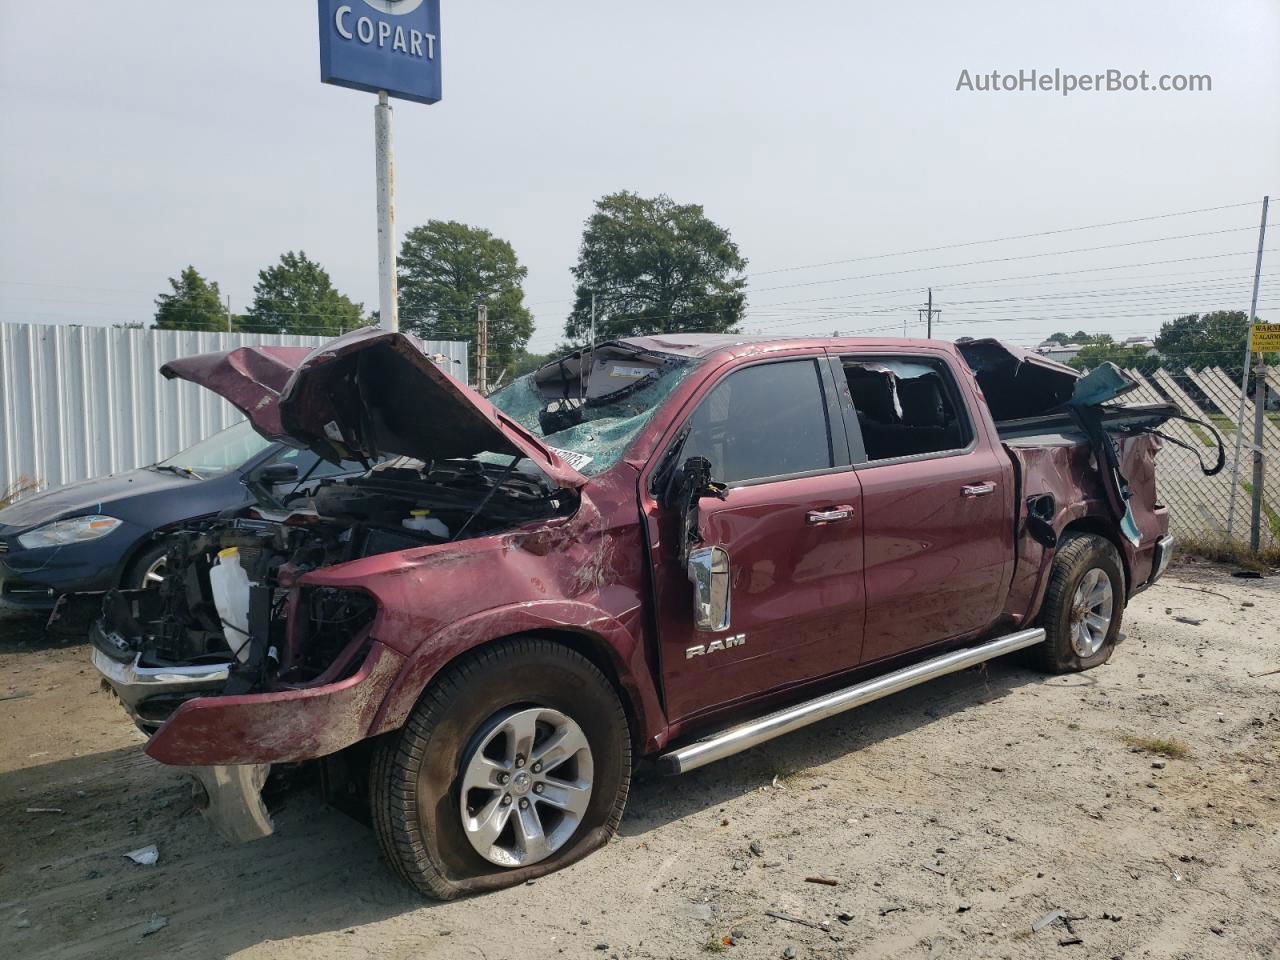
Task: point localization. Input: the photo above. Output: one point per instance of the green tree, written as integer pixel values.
(1101, 347)
(297, 296)
(1064, 338)
(1215, 339)
(446, 270)
(194, 304)
(655, 266)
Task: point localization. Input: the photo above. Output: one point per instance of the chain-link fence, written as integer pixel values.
(1200, 506)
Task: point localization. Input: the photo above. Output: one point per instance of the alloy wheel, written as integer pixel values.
(1091, 610)
(525, 785)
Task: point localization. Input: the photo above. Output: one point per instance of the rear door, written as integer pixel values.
(936, 504)
(789, 527)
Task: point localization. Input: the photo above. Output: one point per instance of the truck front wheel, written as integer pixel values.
(515, 762)
(1083, 604)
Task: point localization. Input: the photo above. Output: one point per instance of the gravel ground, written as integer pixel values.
(951, 818)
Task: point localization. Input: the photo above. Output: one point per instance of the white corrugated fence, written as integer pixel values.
(79, 402)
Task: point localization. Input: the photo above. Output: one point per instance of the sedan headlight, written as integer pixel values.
(72, 530)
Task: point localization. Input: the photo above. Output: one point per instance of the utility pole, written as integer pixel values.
(1260, 398)
(388, 308)
(482, 349)
(228, 313)
(929, 313)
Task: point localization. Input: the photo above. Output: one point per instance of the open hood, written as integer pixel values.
(367, 394)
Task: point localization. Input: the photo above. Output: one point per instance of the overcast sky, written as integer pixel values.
(140, 136)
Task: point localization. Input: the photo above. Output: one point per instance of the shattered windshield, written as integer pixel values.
(589, 422)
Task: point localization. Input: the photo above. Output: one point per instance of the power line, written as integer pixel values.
(1020, 236)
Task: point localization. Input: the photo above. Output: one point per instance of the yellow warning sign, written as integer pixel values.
(1264, 337)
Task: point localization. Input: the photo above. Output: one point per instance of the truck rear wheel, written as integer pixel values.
(1083, 604)
(515, 762)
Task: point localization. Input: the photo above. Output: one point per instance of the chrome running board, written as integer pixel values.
(747, 735)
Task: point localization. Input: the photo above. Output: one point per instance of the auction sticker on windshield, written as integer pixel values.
(575, 460)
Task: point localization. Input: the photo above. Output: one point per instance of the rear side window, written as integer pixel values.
(766, 420)
(906, 406)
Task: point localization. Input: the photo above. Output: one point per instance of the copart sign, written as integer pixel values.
(373, 45)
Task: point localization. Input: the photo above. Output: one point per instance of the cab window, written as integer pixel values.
(765, 421)
(906, 406)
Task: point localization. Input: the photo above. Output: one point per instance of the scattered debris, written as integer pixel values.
(1215, 593)
(846, 917)
(1050, 917)
(45, 810)
(1113, 917)
(155, 925)
(941, 873)
(757, 848)
(789, 953)
(1069, 941)
(825, 881)
(964, 908)
(1158, 764)
(1265, 673)
(997, 769)
(885, 911)
(1193, 621)
(790, 919)
(19, 695)
(1247, 574)
(144, 856)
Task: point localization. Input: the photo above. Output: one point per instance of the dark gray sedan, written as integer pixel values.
(109, 532)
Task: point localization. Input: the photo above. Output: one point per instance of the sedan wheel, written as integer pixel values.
(155, 574)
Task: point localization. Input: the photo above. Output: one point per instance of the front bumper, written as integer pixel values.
(149, 694)
(32, 580)
(281, 726)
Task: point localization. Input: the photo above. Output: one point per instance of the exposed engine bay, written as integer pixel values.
(233, 609)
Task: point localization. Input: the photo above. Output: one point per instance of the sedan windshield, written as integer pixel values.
(218, 454)
(590, 419)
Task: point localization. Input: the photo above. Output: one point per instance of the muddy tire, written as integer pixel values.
(496, 755)
(1083, 605)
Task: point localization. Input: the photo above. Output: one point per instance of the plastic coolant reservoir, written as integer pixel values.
(422, 520)
(231, 596)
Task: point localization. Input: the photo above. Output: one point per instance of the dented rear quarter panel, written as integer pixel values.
(1065, 467)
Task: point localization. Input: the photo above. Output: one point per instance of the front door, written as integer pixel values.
(789, 528)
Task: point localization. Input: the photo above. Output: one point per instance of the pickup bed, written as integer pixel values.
(668, 547)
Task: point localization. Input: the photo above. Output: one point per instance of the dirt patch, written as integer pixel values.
(952, 817)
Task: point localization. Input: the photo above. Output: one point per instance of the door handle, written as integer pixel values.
(831, 515)
(978, 489)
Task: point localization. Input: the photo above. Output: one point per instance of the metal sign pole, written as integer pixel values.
(1244, 379)
(388, 307)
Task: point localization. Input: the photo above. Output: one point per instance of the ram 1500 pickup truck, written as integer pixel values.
(667, 547)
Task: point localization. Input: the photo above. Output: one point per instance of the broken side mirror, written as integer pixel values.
(709, 573)
(692, 484)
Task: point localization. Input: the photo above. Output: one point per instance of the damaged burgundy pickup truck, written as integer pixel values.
(666, 547)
